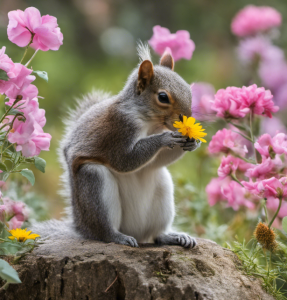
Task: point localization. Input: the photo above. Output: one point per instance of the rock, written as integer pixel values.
(90, 270)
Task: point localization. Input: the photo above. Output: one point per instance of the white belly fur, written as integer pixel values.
(147, 205)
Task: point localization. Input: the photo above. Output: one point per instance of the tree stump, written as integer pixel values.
(90, 270)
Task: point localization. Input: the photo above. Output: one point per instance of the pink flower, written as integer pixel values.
(213, 190)
(28, 94)
(272, 126)
(273, 73)
(251, 48)
(225, 141)
(235, 195)
(252, 19)
(268, 146)
(269, 167)
(228, 166)
(28, 25)
(180, 44)
(202, 95)
(6, 63)
(227, 103)
(15, 212)
(257, 100)
(19, 80)
(273, 187)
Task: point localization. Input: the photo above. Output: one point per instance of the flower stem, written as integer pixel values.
(24, 54)
(235, 179)
(265, 210)
(5, 286)
(277, 211)
(27, 64)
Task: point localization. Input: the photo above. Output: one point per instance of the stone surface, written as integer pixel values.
(73, 269)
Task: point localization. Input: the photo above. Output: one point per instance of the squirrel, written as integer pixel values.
(114, 154)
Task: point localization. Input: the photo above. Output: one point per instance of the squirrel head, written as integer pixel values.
(160, 92)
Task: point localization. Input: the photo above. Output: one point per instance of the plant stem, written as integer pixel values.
(265, 210)
(277, 211)
(235, 179)
(27, 64)
(5, 286)
(24, 53)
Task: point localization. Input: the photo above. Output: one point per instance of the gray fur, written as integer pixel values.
(114, 156)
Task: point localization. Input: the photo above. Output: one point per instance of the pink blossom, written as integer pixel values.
(228, 166)
(273, 73)
(267, 146)
(272, 126)
(19, 80)
(225, 141)
(280, 96)
(273, 187)
(258, 100)
(28, 94)
(235, 195)
(180, 44)
(28, 25)
(258, 47)
(269, 167)
(6, 63)
(14, 212)
(213, 190)
(227, 103)
(252, 19)
(202, 95)
(29, 135)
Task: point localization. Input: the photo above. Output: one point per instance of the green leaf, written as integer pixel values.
(29, 175)
(40, 164)
(8, 273)
(3, 167)
(5, 175)
(284, 224)
(3, 75)
(42, 74)
(14, 112)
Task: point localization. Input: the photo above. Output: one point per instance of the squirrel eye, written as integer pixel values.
(163, 98)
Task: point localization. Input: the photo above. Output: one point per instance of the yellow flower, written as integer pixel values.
(188, 128)
(22, 235)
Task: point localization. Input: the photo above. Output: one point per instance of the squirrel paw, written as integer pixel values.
(172, 139)
(126, 240)
(191, 145)
(175, 238)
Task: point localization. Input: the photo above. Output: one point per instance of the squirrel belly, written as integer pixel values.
(114, 155)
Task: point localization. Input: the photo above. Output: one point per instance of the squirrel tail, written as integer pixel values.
(82, 105)
(54, 229)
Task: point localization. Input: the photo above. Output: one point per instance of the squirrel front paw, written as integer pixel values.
(171, 139)
(191, 145)
(176, 238)
(125, 240)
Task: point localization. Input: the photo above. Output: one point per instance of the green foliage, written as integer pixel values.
(284, 224)
(3, 75)
(8, 273)
(29, 175)
(42, 74)
(40, 164)
(271, 268)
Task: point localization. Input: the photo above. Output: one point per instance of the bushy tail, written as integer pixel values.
(54, 229)
(59, 229)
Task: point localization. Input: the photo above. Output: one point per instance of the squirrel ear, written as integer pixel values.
(167, 60)
(145, 75)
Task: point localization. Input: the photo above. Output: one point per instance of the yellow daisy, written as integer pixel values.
(188, 128)
(22, 235)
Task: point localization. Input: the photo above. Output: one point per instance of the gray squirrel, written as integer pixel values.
(114, 154)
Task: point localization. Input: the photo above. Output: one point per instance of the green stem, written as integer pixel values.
(277, 211)
(5, 286)
(243, 158)
(235, 179)
(24, 53)
(27, 64)
(265, 210)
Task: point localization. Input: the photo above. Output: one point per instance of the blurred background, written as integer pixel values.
(99, 51)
